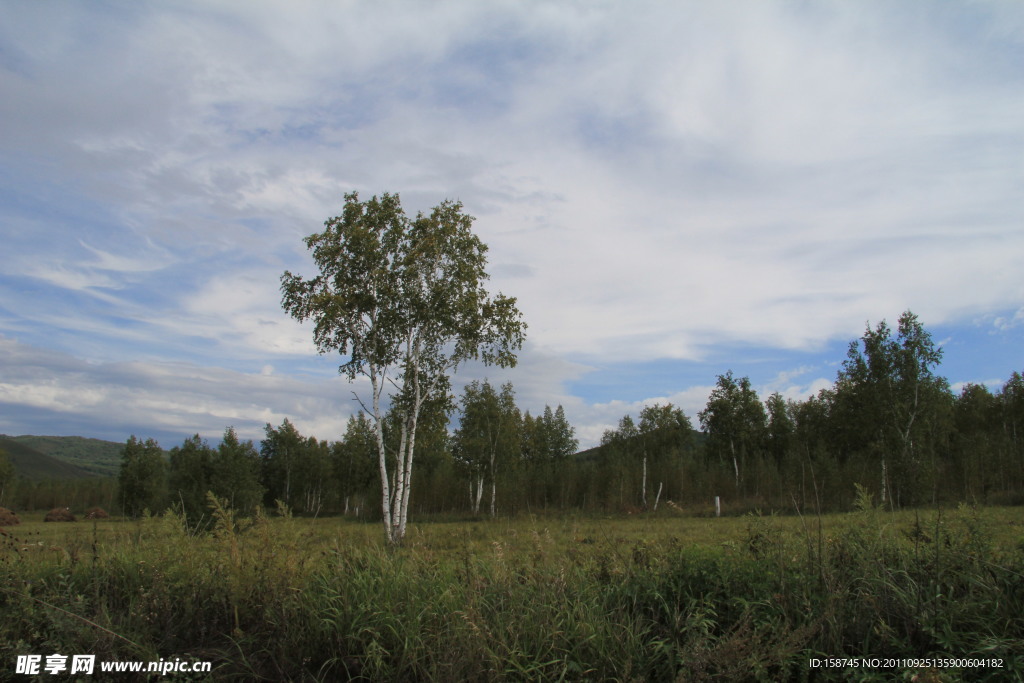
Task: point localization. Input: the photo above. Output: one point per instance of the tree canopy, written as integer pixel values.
(141, 480)
(403, 301)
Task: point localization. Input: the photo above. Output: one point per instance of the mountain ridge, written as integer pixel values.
(61, 457)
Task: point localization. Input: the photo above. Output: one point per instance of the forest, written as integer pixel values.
(890, 423)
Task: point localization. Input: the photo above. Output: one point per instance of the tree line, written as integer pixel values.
(494, 447)
(403, 302)
(889, 423)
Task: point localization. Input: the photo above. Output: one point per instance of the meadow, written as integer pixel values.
(661, 597)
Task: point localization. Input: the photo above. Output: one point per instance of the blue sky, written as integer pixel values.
(671, 190)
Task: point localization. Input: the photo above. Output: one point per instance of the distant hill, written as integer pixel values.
(96, 457)
(32, 464)
(699, 439)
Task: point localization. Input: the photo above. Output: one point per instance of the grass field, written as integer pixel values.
(666, 597)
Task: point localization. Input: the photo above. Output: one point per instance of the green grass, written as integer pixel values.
(662, 597)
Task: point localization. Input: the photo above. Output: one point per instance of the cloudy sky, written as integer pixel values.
(670, 189)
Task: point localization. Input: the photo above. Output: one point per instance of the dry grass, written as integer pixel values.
(648, 597)
(60, 515)
(8, 518)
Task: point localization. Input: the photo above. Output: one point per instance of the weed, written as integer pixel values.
(667, 598)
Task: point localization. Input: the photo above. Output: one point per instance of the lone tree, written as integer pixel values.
(403, 301)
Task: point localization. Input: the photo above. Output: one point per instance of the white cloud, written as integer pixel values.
(241, 311)
(786, 384)
(654, 181)
(124, 263)
(592, 420)
(993, 385)
(1002, 323)
(163, 398)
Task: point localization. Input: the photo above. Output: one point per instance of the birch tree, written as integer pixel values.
(620, 446)
(663, 429)
(1011, 399)
(779, 436)
(735, 421)
(280, 453)
(353, 461)
(894, 377)
(403, 301)
(476, 438)
(488, 437)
(976, 442)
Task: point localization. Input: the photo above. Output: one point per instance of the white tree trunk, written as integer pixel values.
(479, 494)
(735, 463)
(494, 485)
(885, 481)
(494, 494)
(398, 488)
(643, 485)
(407, 474)
(378, 431)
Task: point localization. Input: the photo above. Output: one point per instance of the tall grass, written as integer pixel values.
(552, 599)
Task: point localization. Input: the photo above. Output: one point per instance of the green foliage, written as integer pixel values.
(889, 387)
(549, 436)
(791, 455)
(353, 462)
(235, 474)
(403, 301)
(558, 436)
(189, 478)
(295, 469)
(142, 482)
(654, 448)
(489, 437)
(229, 472)
(780, 429)
(863, 501)
(735, 422)
(548, 472)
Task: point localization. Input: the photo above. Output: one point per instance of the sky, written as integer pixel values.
(671, 190)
